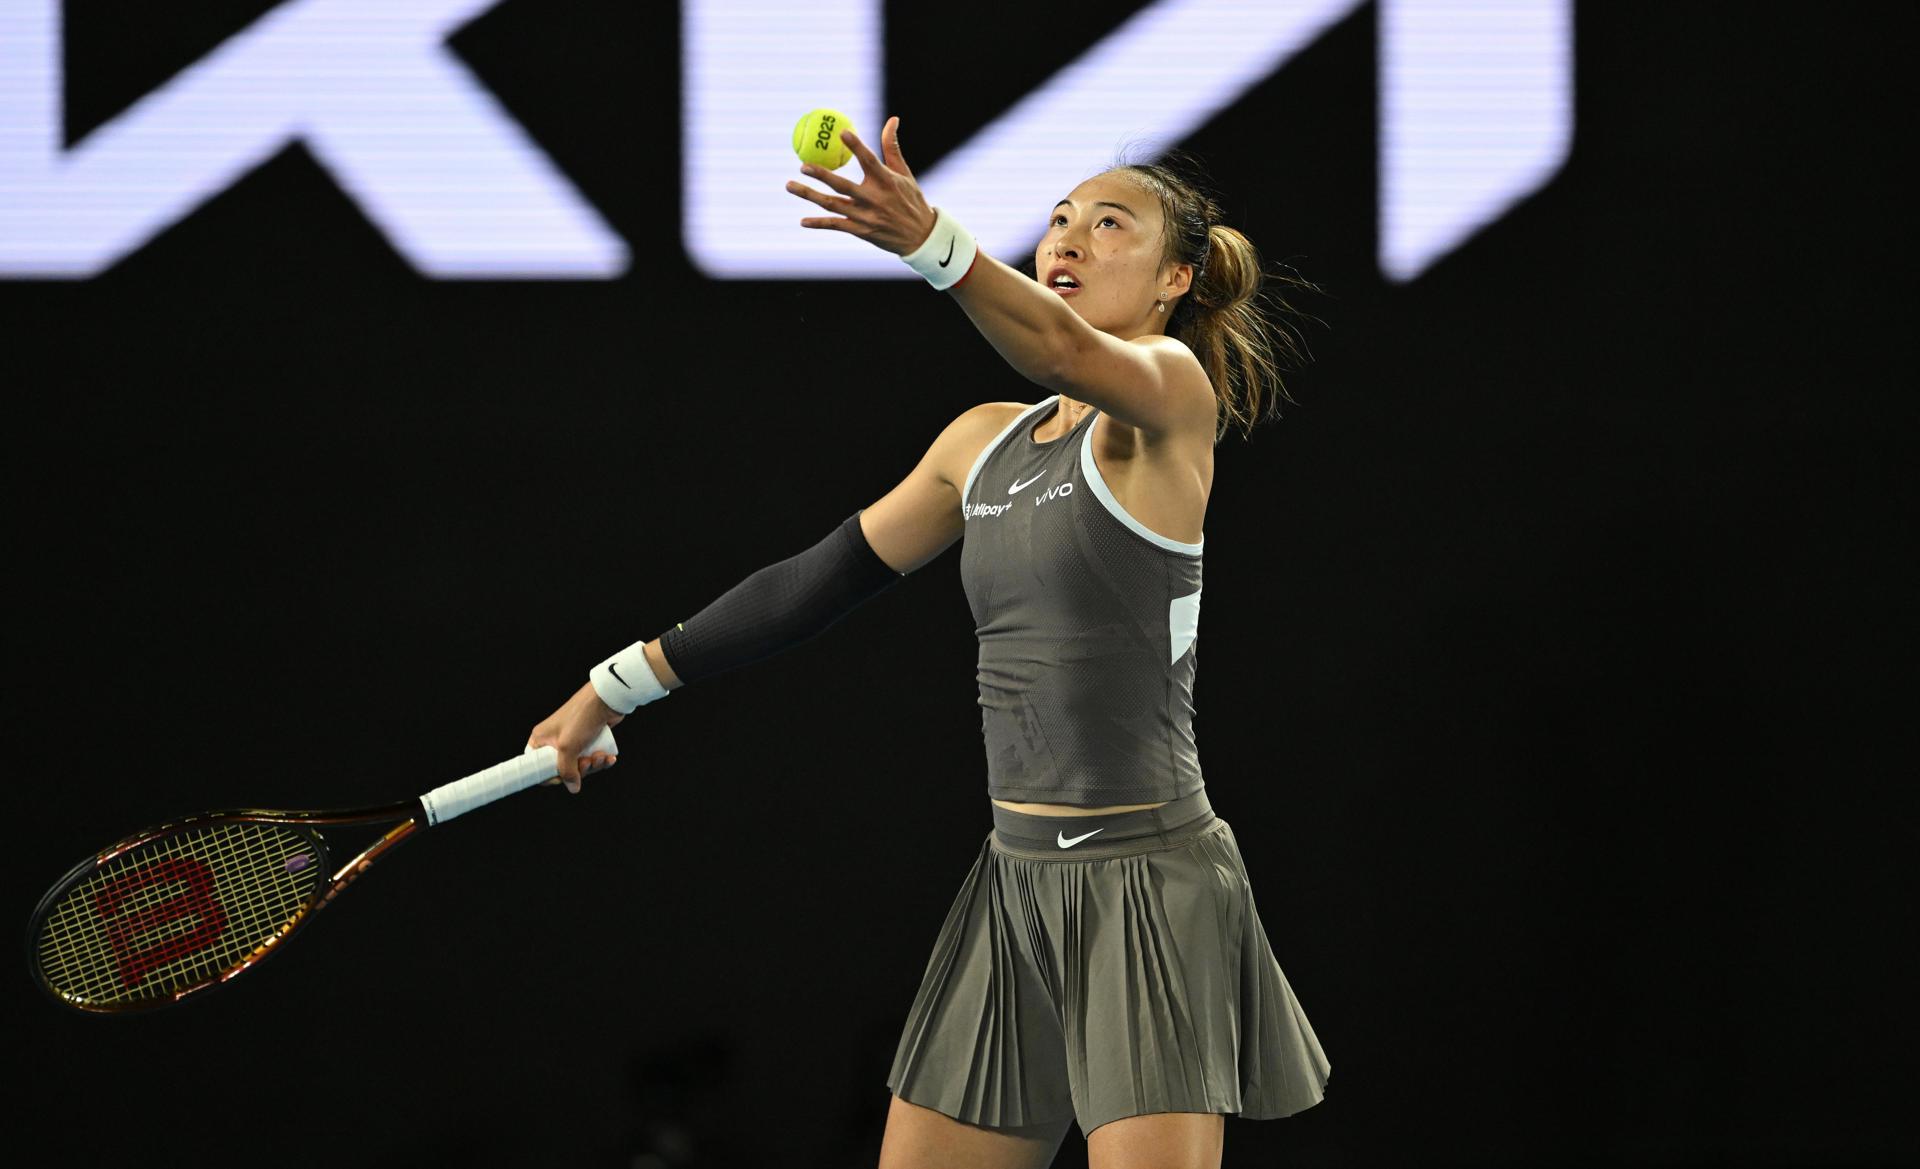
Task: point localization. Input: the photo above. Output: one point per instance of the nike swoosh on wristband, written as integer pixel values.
(949, 258)
(612, 669)
(1018, 486)
(1065, 843)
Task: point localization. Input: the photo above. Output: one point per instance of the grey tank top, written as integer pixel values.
(1087, 622)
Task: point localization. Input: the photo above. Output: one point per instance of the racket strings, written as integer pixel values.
(177, 912)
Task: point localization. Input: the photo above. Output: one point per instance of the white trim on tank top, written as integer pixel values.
(966, 492)
(1091, 470)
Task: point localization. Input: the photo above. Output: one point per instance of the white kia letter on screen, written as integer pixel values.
(368, 86)
(1476, 110)
(1476, 113)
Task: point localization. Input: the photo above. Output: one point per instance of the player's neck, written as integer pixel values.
(1067, 414)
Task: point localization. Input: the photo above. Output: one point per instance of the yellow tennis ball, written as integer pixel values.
(816, 139)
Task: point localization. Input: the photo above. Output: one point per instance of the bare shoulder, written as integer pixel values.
(921, 516)
(960, 444)
(1185, 381)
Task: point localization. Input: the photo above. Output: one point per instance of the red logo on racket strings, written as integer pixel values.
(126, 931)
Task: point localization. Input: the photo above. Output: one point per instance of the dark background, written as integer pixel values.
(1553, 649)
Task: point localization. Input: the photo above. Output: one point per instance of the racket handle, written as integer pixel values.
(538, 765)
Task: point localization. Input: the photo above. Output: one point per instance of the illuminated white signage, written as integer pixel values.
(1475, 100)
(369, 87)
(1476, 113)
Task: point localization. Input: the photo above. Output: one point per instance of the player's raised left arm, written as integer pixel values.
(1151, 382)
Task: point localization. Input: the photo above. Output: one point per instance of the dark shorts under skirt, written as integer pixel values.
(1121, 973)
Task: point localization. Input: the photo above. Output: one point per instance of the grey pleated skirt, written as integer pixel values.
(1101, 967)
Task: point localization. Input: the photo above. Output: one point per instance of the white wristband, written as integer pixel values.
(626, 680)
(947, 255)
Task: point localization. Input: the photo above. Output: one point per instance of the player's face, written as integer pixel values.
(1105, 240)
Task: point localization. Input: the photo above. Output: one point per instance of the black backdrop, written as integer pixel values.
(1551, 646)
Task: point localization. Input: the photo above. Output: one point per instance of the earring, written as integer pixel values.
(1162, 306)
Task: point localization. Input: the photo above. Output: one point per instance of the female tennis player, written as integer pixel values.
(1103, 963)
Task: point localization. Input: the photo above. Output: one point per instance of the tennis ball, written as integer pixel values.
(816, 139)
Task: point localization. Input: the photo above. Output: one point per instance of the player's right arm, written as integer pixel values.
(920, 518)
(789, 602)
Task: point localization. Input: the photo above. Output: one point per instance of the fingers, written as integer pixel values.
(869, 165)
(874, 209)
(588, 765)
(838, 182)
(846, 225)
(830, 202)
(890, 147)
(568, 770)
(584, 766)
(569, 730)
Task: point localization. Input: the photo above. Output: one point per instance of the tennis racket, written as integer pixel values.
(191, 904)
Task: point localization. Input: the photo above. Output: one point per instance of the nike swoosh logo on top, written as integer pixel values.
(949, 258)
(1065, 843)
(1018, 486)
(616, 673)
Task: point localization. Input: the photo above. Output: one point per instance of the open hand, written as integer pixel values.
(885, 207)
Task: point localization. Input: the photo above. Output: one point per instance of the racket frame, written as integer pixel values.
(408, 817)
(533, 766)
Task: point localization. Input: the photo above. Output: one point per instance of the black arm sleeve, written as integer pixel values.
(780, 606)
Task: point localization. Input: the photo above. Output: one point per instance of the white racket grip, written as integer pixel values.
(537, 766)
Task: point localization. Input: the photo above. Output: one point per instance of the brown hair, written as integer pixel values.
(1233, 323)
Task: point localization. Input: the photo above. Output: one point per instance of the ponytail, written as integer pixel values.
(1229, 317)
